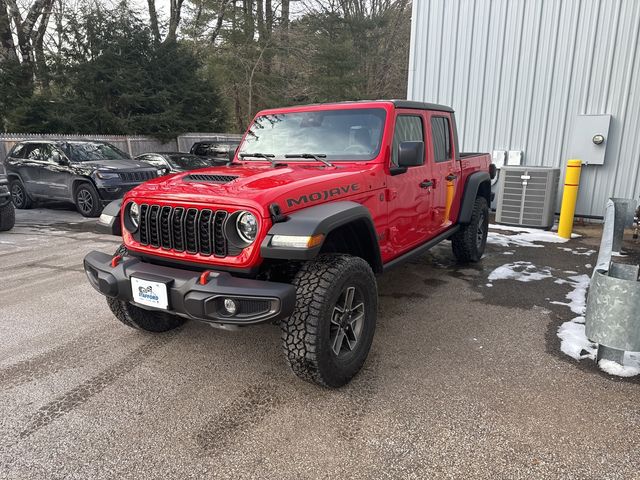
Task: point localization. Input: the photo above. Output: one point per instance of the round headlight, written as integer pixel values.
(134, 214)
(247, 226)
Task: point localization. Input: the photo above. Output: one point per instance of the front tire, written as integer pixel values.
(139, 318)
(88, 201)
(329, 335)
(19, 195)
(469, 242)
(7, 217)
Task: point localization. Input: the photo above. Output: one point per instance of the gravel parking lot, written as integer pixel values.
(465, 378)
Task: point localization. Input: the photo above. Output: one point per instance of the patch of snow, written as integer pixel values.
(630, 366)
(525, 237)
(489, 285)
(576, 252)
(577, 296)
(574, 342)
(588, 265)
(618, 254)
(571, 272)
(520, 271)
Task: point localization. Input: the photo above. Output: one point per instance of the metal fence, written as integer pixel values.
(132, 144)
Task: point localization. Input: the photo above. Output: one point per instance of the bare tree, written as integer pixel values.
(7, 46)
(29, 33)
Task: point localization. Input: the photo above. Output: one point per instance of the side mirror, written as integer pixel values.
(410, 154)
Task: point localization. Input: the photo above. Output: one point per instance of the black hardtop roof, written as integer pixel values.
(421, 105)
(397, 103)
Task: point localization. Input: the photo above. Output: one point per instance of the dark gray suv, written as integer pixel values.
(88, 173)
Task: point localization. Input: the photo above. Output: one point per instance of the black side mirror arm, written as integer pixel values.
(396, 170)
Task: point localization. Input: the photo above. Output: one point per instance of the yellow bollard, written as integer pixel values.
(451, 191)
(569, 198)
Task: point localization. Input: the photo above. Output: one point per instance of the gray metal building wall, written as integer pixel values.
(517, 72)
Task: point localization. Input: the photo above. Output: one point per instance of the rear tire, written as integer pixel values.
(19, 195)
(329, 335)
(469, 242)
(87, 200)
(139, 318)
(7, 217)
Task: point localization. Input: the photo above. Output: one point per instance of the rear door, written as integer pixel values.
(445, 170)
(409, 201)
(30, 167)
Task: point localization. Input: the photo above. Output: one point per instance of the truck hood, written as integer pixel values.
(292, 186)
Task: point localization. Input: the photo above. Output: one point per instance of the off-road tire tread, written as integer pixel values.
(463, 242)
(314, 282)
(7, 217)
(139, 318)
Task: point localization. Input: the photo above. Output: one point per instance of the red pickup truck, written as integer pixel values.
(316, 202)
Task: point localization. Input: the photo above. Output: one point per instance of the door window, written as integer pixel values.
(408, 129)
(36, 151)
(440, 134)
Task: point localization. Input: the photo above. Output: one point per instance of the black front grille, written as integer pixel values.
(198, 177)
(137, 176)
(184, 229)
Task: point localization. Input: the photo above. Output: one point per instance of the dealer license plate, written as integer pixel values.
(152, 294)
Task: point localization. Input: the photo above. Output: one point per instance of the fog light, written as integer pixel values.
(230, 306)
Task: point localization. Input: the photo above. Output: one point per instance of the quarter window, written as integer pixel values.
(18, 151)
(408, 129)
(441, 139)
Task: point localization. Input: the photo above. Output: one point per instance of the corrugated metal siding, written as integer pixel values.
(517, 72)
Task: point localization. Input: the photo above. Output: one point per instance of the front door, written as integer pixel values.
(55, 177)
(408, 193)
(445, 170)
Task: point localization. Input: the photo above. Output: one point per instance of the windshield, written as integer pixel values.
(187, 162)
(354, 134)
(88, 151)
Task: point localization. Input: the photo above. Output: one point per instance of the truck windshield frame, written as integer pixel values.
(337, 134)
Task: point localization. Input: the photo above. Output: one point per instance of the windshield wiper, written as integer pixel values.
(320, 157)
(266, 156)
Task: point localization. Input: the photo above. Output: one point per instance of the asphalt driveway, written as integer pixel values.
(465, 379)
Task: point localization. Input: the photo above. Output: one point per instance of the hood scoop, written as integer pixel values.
(199, 177)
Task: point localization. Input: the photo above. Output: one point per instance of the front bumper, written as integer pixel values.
(259, 301)
(114, 192)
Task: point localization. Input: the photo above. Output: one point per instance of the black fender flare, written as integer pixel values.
(78, 180)
(474, 187)
(109, 220)
(320, 219)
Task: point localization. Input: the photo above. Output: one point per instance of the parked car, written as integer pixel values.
(88, 173)
(173, 162)
(7, 210)
(294, 231)
(219, 151)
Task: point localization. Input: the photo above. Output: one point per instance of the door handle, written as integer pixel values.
(451, 177)
(426, 184)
